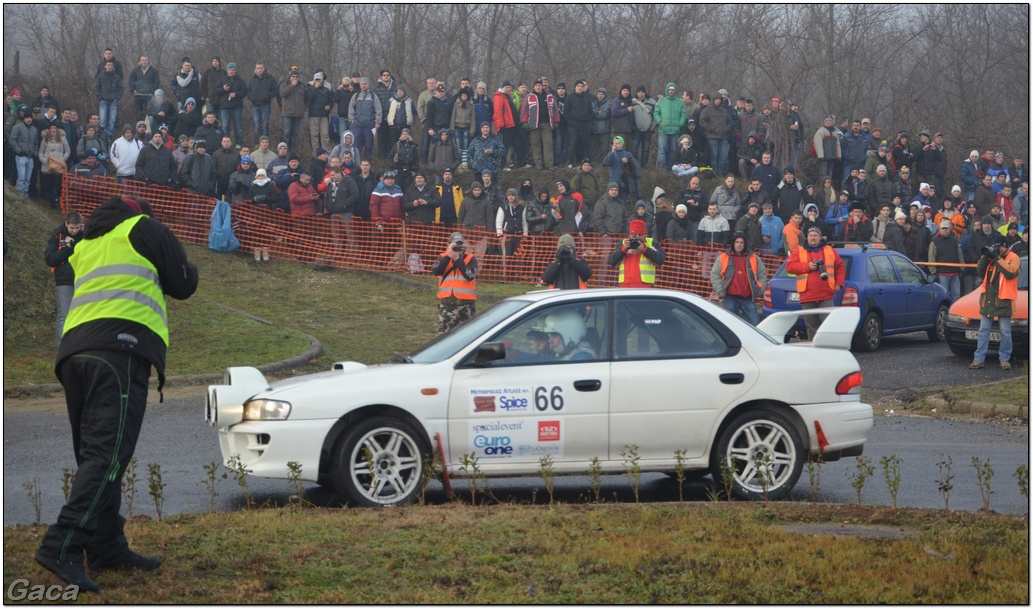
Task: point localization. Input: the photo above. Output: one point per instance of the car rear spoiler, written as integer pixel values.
(836, 332)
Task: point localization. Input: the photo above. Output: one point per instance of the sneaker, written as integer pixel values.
(529, 166)
(569, 166)
(69, 572)
(975, 365)
(1005, 365)
(126, 560)
(508, 169)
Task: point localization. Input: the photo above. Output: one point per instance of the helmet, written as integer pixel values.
(569, 324)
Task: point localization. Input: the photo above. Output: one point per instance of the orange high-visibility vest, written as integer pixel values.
(830, 265)
(452, 282)
(724, 258)
(1007, 289)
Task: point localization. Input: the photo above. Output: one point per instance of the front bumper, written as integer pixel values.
(964, 336)
(266, 447)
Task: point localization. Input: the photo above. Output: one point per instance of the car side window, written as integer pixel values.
(880, 270)
(561, 333)
(909, 272)
(662, 329)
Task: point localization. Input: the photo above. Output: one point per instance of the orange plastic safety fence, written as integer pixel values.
(390, 246)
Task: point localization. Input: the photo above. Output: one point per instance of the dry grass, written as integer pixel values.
(685, 553)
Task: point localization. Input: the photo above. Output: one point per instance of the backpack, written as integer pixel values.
(221, 237)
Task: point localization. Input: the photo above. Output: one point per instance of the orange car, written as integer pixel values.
(963, 322)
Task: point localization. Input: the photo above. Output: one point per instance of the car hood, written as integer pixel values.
(330, 394)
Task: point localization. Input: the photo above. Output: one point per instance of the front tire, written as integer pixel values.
(869, 333)
(763, 449)
(379, 462)
(938, 333)
(965, 352)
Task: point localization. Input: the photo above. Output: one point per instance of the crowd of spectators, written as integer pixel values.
(397, 158)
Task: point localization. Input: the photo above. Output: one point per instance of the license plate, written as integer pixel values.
(793, 296)
(995, 337)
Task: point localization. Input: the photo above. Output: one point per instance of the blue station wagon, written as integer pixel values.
(894, 295)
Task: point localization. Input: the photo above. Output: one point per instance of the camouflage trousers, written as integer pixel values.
(453, 312)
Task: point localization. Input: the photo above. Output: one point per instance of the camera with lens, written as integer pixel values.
(990, 251)
(564, 254)
(633, 243)
(459, 247)
(820, 264)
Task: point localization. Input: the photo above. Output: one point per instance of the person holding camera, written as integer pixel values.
(637, 258)
(60, 247)
(999, 268)
(568, 271)
(457, 288)
(819, 275)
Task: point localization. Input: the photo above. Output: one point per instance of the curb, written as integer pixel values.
(315, 350)
(1010, 410)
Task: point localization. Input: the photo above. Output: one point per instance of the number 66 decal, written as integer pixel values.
(545, 397)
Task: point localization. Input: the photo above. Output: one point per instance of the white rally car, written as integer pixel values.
(570, 375)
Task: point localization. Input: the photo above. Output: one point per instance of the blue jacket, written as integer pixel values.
(855, 149)
(838, 212)
(771, 226)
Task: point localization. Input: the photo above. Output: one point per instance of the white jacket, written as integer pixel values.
(123, 155)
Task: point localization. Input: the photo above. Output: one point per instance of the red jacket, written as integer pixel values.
(503, 115)
(816, 290)
(303, 199)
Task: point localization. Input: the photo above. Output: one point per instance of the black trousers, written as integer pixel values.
(106, 394)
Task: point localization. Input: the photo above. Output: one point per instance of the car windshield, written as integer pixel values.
(450, 343)
(1024, 275)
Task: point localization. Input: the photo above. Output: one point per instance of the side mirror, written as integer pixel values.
(489, 352)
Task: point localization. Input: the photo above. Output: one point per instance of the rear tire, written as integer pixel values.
(869, 334)
(760, 443)
(938, 333)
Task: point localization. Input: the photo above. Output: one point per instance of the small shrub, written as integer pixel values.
(891, 473)
(236, 467)
(595, 477)
(945, 479)
(984, 473)
(547, 474)
(129, 486)
(472, 471)
(814, 475)
(728, 477)
(679, 471)
(763, 467)
(294, 479)
(211, 471)
(431, 463)
(1022, 476)
(864, 471)
(155, 486)
(67, 481)
(35, 495)
(632, 470)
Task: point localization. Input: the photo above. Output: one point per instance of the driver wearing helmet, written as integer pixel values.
(566, 331)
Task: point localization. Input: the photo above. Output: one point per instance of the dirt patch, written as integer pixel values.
(848, 530)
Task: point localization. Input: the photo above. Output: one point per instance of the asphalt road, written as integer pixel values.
(37, 445)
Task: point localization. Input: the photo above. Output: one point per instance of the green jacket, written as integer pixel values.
(669, 113)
